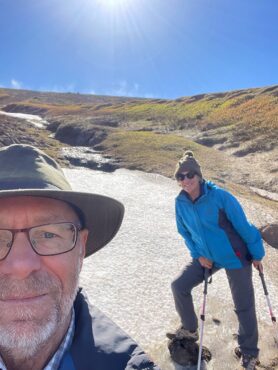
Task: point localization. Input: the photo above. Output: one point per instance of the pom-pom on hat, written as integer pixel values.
(188, 163)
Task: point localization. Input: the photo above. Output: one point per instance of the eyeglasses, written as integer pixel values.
(182, 176)
(45, 240)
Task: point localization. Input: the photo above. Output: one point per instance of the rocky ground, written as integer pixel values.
(132, 276)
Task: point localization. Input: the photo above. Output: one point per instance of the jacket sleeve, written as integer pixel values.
(140, 361)
(183, 231)
(248, 232)
(98, 343)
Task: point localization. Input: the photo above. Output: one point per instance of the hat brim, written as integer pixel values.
(102, 215)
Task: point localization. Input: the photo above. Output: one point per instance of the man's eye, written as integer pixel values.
(48, 235)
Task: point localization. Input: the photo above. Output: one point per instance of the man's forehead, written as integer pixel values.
(43, 208)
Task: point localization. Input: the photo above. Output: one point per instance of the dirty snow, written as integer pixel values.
(130, 278)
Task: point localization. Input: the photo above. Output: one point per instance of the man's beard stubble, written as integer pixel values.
(37, 331)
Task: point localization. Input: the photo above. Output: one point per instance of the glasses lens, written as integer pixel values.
(190, 175)
(183, 176)
(53, 239)
(6, 238)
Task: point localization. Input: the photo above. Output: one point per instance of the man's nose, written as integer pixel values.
(22, 259)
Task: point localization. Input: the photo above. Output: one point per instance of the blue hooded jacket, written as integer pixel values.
(215, 227)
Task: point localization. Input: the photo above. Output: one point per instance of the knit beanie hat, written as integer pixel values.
(188, 163)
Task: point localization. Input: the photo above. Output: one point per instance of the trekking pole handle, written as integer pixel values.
(206, 275)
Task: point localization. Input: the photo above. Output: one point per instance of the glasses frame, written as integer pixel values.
(189, 175)
(26, 230)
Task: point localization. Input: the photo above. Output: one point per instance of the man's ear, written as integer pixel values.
(83, 236)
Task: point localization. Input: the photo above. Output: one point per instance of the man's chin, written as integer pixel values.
(25, 336)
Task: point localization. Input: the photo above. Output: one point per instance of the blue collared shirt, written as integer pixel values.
(56, 359)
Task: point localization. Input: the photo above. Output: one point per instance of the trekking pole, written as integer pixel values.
(202, 316)
(273, 318)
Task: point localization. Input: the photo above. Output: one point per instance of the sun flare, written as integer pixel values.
(114, 3)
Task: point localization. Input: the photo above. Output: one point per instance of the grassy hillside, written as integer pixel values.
(151, 134)
(225, 118)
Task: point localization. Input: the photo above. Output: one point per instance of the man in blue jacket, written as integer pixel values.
(46, 230)
(218, 235)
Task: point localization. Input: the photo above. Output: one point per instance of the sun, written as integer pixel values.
(113, 3)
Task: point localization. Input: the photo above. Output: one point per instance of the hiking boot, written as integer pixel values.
(248, 362)
(182, 333)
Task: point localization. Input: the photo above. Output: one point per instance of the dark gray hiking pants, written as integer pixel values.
(240, 281)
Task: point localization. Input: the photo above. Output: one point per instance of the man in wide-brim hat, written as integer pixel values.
(46, 230)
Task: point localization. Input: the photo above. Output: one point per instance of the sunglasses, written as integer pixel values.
(182, 176)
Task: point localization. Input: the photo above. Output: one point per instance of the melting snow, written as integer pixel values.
(31, 118)
(130, 278)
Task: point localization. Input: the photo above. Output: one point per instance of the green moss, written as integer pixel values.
(159, 153)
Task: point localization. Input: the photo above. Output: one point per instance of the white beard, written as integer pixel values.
(26, 335)
(26, 344)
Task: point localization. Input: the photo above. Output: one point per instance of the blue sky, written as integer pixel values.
(147, 48)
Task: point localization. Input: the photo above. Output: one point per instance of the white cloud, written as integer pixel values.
(128, 90)
(15, 84)
(59, 88)
(124, 89)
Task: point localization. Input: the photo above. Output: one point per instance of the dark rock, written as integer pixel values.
(99, 147)
(80, 135)
(144, 129)
(104, 121)
(53, 125)
(106, 167)
(270, 234)
(211, 141)
(185, 351)
(22, 108)
(227, 145)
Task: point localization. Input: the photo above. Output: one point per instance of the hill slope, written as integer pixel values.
(150, 134)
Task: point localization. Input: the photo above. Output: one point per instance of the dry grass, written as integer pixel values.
(154, 152)
(151, 134)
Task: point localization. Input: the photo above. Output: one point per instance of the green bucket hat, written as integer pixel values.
(27, 171)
